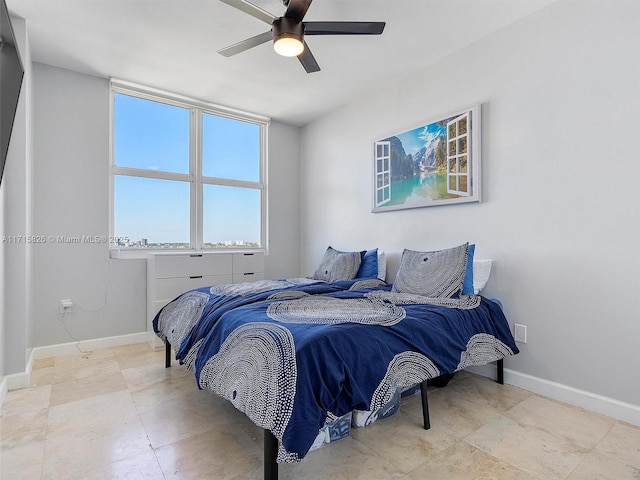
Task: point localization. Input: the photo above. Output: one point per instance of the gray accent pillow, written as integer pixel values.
(437, 274)
(337, 265)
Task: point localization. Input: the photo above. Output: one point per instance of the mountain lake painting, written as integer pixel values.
(434, 164)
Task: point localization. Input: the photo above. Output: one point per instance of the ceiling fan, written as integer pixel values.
(288, 31)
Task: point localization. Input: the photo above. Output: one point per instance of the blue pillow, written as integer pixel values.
(467, 285)
(369, 265)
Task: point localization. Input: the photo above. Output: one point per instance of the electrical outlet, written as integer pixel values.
(65, 306)
(520, 333)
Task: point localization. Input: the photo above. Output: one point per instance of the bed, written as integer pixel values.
(292, 354)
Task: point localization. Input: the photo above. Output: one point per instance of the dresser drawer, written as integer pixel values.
(248, 263)
(166, 289)
(186, 265)
(248, 277)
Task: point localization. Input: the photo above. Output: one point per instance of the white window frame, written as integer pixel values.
(196, 108)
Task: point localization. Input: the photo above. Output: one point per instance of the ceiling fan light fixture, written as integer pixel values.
(287, 37)
(288, 45)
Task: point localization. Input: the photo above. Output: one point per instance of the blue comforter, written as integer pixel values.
(187, 320)
(291, 363)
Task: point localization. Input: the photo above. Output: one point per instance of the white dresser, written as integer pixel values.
(170, 274)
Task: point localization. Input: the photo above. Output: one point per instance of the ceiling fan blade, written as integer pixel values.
(252, 10)
(297, 9)
(308, 61)
(246, 44)
(343, 28)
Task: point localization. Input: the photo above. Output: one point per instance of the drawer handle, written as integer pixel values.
(194, 255)
(248, 273)
(248, 254)
(195, 276)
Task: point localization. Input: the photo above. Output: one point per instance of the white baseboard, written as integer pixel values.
(610, 407)
(3, 389)
(88, 345)
(18, 380)
(21, 380)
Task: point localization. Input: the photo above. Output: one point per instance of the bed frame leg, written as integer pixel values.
(167, 353)
(425, 405)
(270, 456)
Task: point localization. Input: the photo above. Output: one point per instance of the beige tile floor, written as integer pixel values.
(119, 414)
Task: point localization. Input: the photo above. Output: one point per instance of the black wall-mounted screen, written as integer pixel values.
(11, 73)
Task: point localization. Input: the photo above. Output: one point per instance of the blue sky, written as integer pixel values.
(154, 136)
(414, 140)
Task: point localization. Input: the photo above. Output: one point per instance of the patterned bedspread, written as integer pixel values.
(189, 318)
(291, 357)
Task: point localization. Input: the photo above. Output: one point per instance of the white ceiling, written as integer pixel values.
(171, 45)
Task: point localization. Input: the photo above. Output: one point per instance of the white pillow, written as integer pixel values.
(481, 272)
(382, 265)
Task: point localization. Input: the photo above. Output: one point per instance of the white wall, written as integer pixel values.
(15, 220)
(3, 342)
(3, 322)
(560, 102)
(283, 183)
(71, 198)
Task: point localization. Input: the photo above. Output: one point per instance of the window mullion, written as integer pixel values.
(264, 204)
(196, 172)
(230, 183)
(161, 175)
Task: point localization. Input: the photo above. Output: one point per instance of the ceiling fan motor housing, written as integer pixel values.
(287, 26)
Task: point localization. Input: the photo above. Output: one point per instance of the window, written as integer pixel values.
(185, 175)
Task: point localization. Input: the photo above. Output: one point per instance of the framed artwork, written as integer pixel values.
(437, 163)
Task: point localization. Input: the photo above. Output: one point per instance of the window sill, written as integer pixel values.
(132, 254)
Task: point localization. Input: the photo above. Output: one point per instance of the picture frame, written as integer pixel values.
(435, 163)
